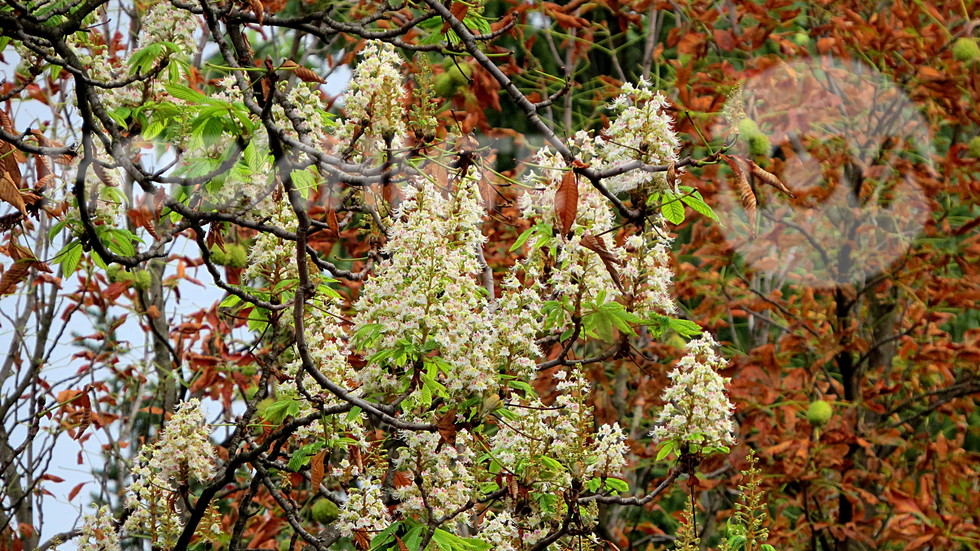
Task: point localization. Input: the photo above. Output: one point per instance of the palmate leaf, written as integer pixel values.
(692, 198)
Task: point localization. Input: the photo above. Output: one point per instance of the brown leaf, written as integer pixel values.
(6, 123)
(215, 238)
(458, 10)
(447, 428)
(43, 141)
(332, 222)
(74, 491)
(671, 175)
(566, 202)
(769, 178)
(14, 276)
(401, 544)
(745, 193)
(257, 9)
(303, 73)
(596, 245)
(11, 194)
(316, 469)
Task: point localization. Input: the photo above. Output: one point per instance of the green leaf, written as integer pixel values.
(693, 199)
(666, 449)
(551, 463)
(593, 485)
(277, 412)
(302, 456)
(189, 95)
(230, 301)
(385, 536)
(685, 328)
(69, 257)
(521, 239)
(617, 484)
(672, 209)
(737, 542)
(252, 158)
(119, 241)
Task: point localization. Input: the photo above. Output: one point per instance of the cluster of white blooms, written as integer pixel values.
(446, 475)
(642, 130)
(502, 531)
(271, 258)
(364, 510)
(697, 410)
(99, 532)
(164, 22)
(648, 271)
(375, 102)
(427, 293)
(517, 322)
(610, 451)
(580, 269)
(183, 454)
(307, 105)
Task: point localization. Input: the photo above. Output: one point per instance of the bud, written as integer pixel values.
(819, 413)
(324, 511)
(966, 49)
(757, 142)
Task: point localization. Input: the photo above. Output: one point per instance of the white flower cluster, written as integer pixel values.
(517, 323)
(428, 293)
(364, 510)
(374, 104)
(447, 480)
(642, 130)
(697, 410)
(648, 270)
(502, 531)
(98, 532)
(610, 452)
(183, 454)
(271, 258)
(164, 22)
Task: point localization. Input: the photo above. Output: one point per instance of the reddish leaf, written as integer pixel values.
(13, 277)
(458, 10)
(302, 73)
(74, 491)
(566, 202)
(745, 193)
(769, 178)
(316, 469)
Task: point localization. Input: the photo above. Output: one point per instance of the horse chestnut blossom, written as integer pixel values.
(641, 130)
(99, 532)
(162, 470)
(697, 410)
(374, 103)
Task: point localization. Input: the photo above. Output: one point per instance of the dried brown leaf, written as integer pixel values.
(257, 9)
(769, 178)
(317, 469)
(332, 222)
(11, 194)
(303, 73)
(596, 245)
(458, 10)
(6, 123)
(14, 276)
(566, 202)
(215, 238)
(745, 193)
(447, 428)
